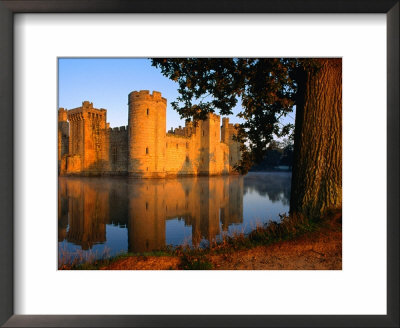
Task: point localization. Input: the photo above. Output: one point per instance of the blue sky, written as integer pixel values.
(107, 82)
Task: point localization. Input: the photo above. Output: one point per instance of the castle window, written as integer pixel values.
(147, 150)
(166, 145)
(203, 133)
(187, 159)
(187, 145)
(147, 206)
(147, 111)
(176, 146)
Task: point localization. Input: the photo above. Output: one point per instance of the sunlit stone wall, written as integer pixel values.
(143, 148)
(147, 122)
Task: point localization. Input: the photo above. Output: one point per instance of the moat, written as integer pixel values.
(100, 217)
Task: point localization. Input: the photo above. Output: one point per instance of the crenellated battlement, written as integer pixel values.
(87, 104)
(214, 117)
(87, 111)
(225, 121)
(144, 95)
(171, 134)
(123, 128)
(185, 131)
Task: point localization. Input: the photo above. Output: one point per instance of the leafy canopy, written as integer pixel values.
(265, 87)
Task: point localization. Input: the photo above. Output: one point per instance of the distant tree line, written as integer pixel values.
(279, 156)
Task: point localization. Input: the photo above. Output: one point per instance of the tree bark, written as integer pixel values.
(317, 162)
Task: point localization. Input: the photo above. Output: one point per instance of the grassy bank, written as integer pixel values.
(272, 244)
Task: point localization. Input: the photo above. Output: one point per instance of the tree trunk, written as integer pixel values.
(317, 162)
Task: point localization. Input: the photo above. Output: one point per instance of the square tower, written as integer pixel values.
(87, 137)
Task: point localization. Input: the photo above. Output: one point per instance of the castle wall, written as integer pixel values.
(71, 164)
(199, 151)
(76, 140)
(222, 164)
(227, 133)
(143, 149)
(63, 139)
(234, 149)
(118, 150)
(63, 135)
(180, 155)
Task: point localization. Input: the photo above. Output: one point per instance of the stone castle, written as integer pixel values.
(88, 146)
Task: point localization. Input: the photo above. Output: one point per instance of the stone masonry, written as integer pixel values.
(88, 146)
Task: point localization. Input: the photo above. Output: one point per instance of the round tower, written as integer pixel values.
(147, 124)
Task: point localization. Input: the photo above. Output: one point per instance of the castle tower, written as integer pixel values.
(234, 148)
(63, 135)
(225, 130)
(209, 139)
(87, 138)
(146, 135)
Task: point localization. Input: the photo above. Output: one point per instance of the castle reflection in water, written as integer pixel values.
(205, 207)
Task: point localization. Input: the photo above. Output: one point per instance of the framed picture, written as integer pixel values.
(55, 56)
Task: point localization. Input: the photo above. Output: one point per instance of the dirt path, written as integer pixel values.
(144, 263)
(320, 250)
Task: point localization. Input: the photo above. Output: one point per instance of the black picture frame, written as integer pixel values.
(10, 7)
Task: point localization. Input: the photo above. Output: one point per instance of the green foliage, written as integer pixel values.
(289, 228)
(266, 88)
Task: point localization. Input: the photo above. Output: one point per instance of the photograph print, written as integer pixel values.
(199, 163)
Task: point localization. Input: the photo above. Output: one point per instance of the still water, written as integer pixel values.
(101, 217)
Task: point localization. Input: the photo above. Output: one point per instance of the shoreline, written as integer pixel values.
(302, 245)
